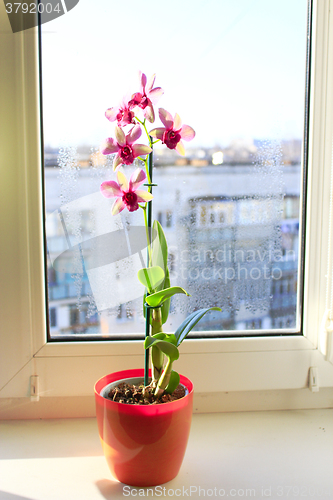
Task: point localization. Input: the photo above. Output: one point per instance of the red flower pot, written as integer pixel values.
(144, 445)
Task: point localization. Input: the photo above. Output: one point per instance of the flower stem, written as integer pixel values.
(147, 212)
(150, 188)
(148, 173)
(144, 126)
(147, 235)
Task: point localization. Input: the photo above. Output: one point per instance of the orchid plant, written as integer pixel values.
(135, 111)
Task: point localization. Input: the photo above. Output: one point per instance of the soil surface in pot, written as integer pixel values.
(139, 395)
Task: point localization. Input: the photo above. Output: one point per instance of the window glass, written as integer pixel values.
(237, 73)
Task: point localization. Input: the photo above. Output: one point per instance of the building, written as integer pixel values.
(232, 233)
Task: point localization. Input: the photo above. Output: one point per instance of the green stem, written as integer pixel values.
(157, 356)
(156, 321)
(157, 359)
(148, 174)
(145, 161)
(164, 379)
(147, 234)
(144, 126)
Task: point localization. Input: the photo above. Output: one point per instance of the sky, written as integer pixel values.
(230, 69)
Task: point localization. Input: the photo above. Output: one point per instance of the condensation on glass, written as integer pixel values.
(230, 208)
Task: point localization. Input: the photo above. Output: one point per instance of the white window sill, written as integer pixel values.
(277, 454)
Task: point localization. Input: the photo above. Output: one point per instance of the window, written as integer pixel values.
(273, 369)
(53, 317)
(230, 208)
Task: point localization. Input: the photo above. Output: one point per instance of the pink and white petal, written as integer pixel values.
(117, 162)
(143, 196)
(110, 189)
(187, 133)
(157, 132)
(111, 114)
(150, 83)
(136, 179)
(143, 80)
(140, 150)
(180, 148)
(109, 146)
(125, 100)
(118, 206)
(133, 134)
(177, 122)
(155, 94)
(166, 118)
(149, 113)
(122, 181)
(120, 136)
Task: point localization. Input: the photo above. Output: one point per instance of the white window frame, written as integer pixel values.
(243, 367)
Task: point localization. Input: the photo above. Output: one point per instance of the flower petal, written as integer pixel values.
(110, 189)
(122, 181)
(136, 179)
(109, 146)
(149, 113)
(118, 206)
(120, 136)
(143, 80)
(165, 118)
(135, 100)
(143, 196)
(150, 83)
(111, 114)
(134, 134)
(140, 149)
(177, 122)
(187, 133)
(157, 132)
(155, 94)
(125, 100)
(117, 162)
(180, 148)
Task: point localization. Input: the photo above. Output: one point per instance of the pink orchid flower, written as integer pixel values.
(121, 113)
(124, 147)
(127, 193)
(147, 97)
(173, 132)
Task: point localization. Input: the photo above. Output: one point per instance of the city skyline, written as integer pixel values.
(238, 151)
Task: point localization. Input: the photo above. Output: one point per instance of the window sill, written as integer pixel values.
(253, 454)
(246, 368)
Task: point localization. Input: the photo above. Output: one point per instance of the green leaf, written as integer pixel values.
(151, 277)
(169, 349)
(155, 299)
(171, 337)
(166, 304)
(190, 322)
(173, 382)
(160, 248)
(160, 258)
(168, 337)
(150, 341)
(160, 336)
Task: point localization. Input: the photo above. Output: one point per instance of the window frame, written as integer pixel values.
(67, 369)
